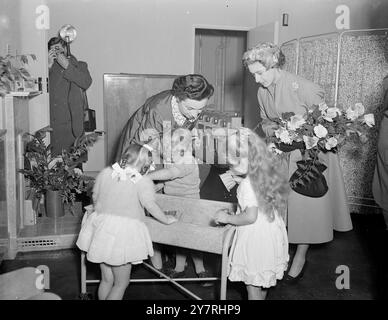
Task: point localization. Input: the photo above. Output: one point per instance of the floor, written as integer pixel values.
(363, 252)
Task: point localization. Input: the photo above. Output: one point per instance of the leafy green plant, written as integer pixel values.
(12, 69)
(58, 173)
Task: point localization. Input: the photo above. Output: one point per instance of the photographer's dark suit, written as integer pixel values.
(67, 102)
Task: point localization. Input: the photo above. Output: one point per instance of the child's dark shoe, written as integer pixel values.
(205, 274)
(175, 274)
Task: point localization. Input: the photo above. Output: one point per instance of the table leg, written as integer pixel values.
(83, 273)
(225, 262)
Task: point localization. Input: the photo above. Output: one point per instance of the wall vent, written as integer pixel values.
(37, 243)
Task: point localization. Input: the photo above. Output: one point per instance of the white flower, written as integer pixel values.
(328, 118)
(369, 120)
(351, 114)
(320, 131)
(331, 113)
(322, 106)
(310, 142)
(360, 108)
(284, 137)
(295, 86)
(271, 147)
(331, 143)
(295, 122)
(78, 172)
(355, 111)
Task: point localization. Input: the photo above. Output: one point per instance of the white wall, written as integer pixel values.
(156, 36)
(34, 40)
(140, 36)
(9, 26)
(19, 35)
(313, 17)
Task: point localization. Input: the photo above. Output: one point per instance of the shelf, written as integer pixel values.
(23, 94)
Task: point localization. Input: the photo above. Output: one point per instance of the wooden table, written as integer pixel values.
(195, 230)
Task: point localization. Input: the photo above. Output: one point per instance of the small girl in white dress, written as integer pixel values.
(260, 248)
(115, 235)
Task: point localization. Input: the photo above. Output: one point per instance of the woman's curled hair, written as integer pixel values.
(192, 86)
(266, 53)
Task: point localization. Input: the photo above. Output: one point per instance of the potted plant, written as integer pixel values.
(13, 72)
(58, 177)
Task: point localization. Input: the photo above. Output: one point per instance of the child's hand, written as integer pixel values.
(236, 178)
(158, 186)
(222, 216)
(171, 219)
(89, 209)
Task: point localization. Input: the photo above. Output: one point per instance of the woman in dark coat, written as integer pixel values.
(179, 107)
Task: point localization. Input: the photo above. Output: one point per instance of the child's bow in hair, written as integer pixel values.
(124, 174)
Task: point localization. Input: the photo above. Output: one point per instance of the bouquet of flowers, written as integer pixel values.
(322, 128)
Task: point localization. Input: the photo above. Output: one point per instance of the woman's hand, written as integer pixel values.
(171, 219)
(158, 186)
(222, 216)
(89, 209)
(269, 127)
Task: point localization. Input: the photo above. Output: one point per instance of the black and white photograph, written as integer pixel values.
(171, 151)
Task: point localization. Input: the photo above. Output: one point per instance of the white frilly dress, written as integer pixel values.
(115, 233)
(260, 250)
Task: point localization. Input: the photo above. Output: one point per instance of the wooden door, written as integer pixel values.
(218, 57)
(268, 32)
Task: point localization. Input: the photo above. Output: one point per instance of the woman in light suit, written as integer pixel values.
(310, 220)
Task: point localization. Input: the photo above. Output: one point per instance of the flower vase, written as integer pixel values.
(54, 204)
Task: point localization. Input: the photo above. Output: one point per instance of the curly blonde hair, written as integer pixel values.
(267, 53)
(267, 178)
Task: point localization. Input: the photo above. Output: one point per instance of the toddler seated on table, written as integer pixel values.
(181, 178)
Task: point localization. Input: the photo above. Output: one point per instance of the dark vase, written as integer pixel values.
(54, 204)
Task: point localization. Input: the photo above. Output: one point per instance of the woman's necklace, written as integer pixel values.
(179, 118)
